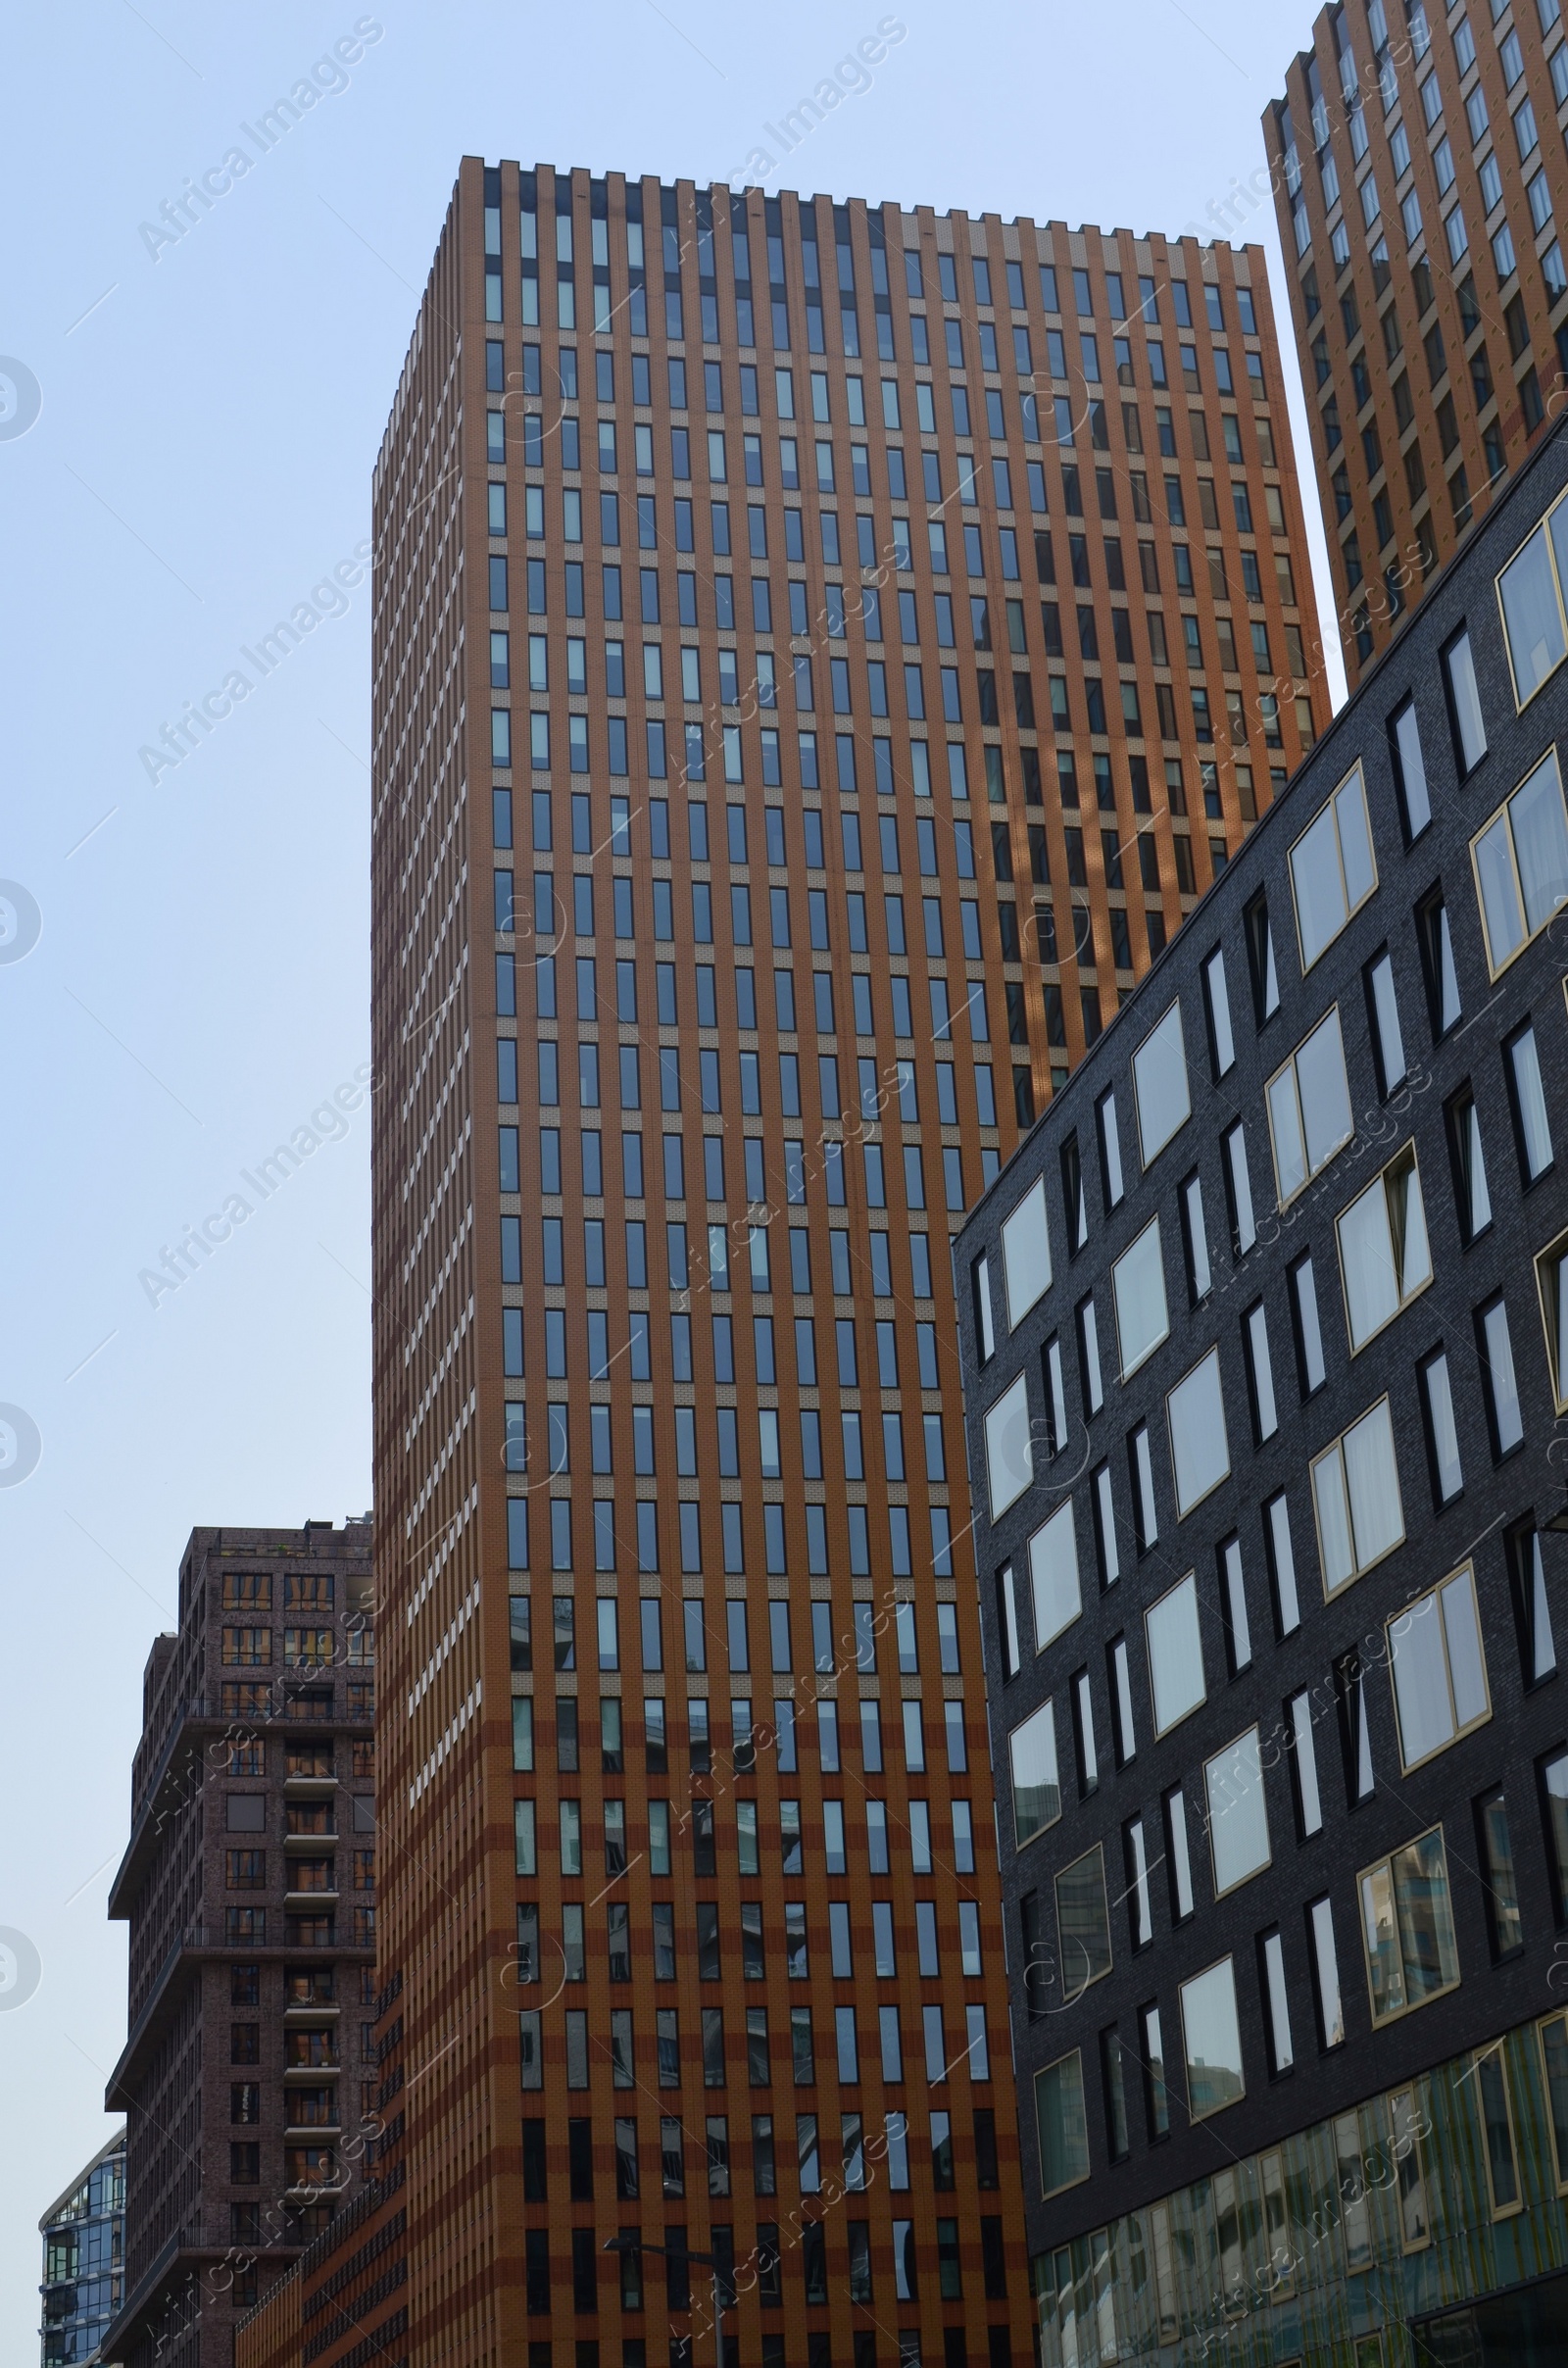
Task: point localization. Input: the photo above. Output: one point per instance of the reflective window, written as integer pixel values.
(1175, 1655)
(1212, 2035)
(1260, 1373)
(1529, 594)
(1407, 1927)
(1443, 1435)
(1303, 1761)
(1438, 1670)
(1332, 869)
(1200, 1450)
(1083, 1923)
(1521, 863)
(1221, 1043)
(1062, 2124)
(1409, 767)
(1386, 1037)
(1326, 1974)
(1276, 1993)
(1159, 1085)
(1527, 1096)
(1053, 1576)
(1309, 1107)
(1036, 1789)
(1010, 1457)
(1499, 1378)
(1109, 1149)
(1138, 1281)
(1026, 1254)
(1239, 1187)
(1499, 1875)
(1469, 1167)
(1238, 1815)
(1385, 1257)
(1465, 718)
(1355, 1491)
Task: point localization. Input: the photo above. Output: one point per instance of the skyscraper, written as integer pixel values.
(821, 652)
(1421, 183)
(249, 1886)
(1263, 1415)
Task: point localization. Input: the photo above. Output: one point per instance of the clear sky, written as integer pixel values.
(200, 466)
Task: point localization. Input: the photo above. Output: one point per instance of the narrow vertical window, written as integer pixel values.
(1326, 1974)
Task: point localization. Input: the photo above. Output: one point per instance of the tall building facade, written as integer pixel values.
(1265, 1337)
(249, 1886)
(83, 2236)
(1421, 183)
(820, 653)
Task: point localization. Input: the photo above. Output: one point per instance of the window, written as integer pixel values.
(1552, 1284)
(1159, 1085)
(1407, 1927)
(1199, 1451)
(1499, 1875)
(1309, 1107)
(1026, 1255)
(1388, 1042)
(1527, 1095)
(1036, 1789)
(1469, 1167)
(1237, 1814)
(1521, 864)
(1498, 1380)
(1530, 595)
(1409, 767)
(1464, 704)
(1326, 1974)
(1010, 1457)
(1062, 2124)
(1332, 869)
(1175, 1655)
(1438, 1670)
(1221, 1042)
(1213, 2039)
(1138, 1282)
(1083, 1923)
(1384, 1259)
(1053, 1576)
(1355, 1491)
(1442, 1431)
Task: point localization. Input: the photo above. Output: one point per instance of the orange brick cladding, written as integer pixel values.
(1418, 165)
(824, 982)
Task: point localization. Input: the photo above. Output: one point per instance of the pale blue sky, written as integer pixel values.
(200, 466)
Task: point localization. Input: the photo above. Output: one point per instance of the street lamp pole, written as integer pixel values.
(636, 2244)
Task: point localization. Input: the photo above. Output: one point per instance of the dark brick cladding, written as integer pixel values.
(1526, 1721)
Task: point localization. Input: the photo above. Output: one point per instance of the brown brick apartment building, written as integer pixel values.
(249, 1886)
(821, 652)
(1419, 170)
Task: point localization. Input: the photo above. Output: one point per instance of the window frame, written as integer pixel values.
(1188, 1579)
(1262, 1865)
(1329, 806)
(1282, 1199)
(1046, 1710)
(1465, 1569)
(1330, 1447)
(1407, 1154)
(1384, 1864)
(1158, 1341)
(1495, 970)
(1541, 528)
(1145, 1156)
(1073, 2056)
(1554, 1253)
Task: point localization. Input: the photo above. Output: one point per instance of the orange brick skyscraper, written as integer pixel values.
(820, 653)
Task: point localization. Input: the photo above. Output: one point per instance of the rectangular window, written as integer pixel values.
(1465, 720)
(1138, 1286)
(1212, 2041)
(1384, 1259)
(1198, 1446)
(1010, 1457)
(1083, 1923)
(1238, 1815)
(1332, 872)
(1175, 1646)
(1032, 1765)
(1159, 1085)
(1326, 1974)
(1438, 1670)
(1520, 860)
(1530, 595)
(1407, 1927)
(1309, 1107)
(1527, 1095)
(1356, 1493)
(1026, 1255)
(1054, 1582)
(1498, 1381)
(1062, 2124)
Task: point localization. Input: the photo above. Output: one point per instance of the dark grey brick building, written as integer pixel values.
(249, 1886)
(1267, 1358)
